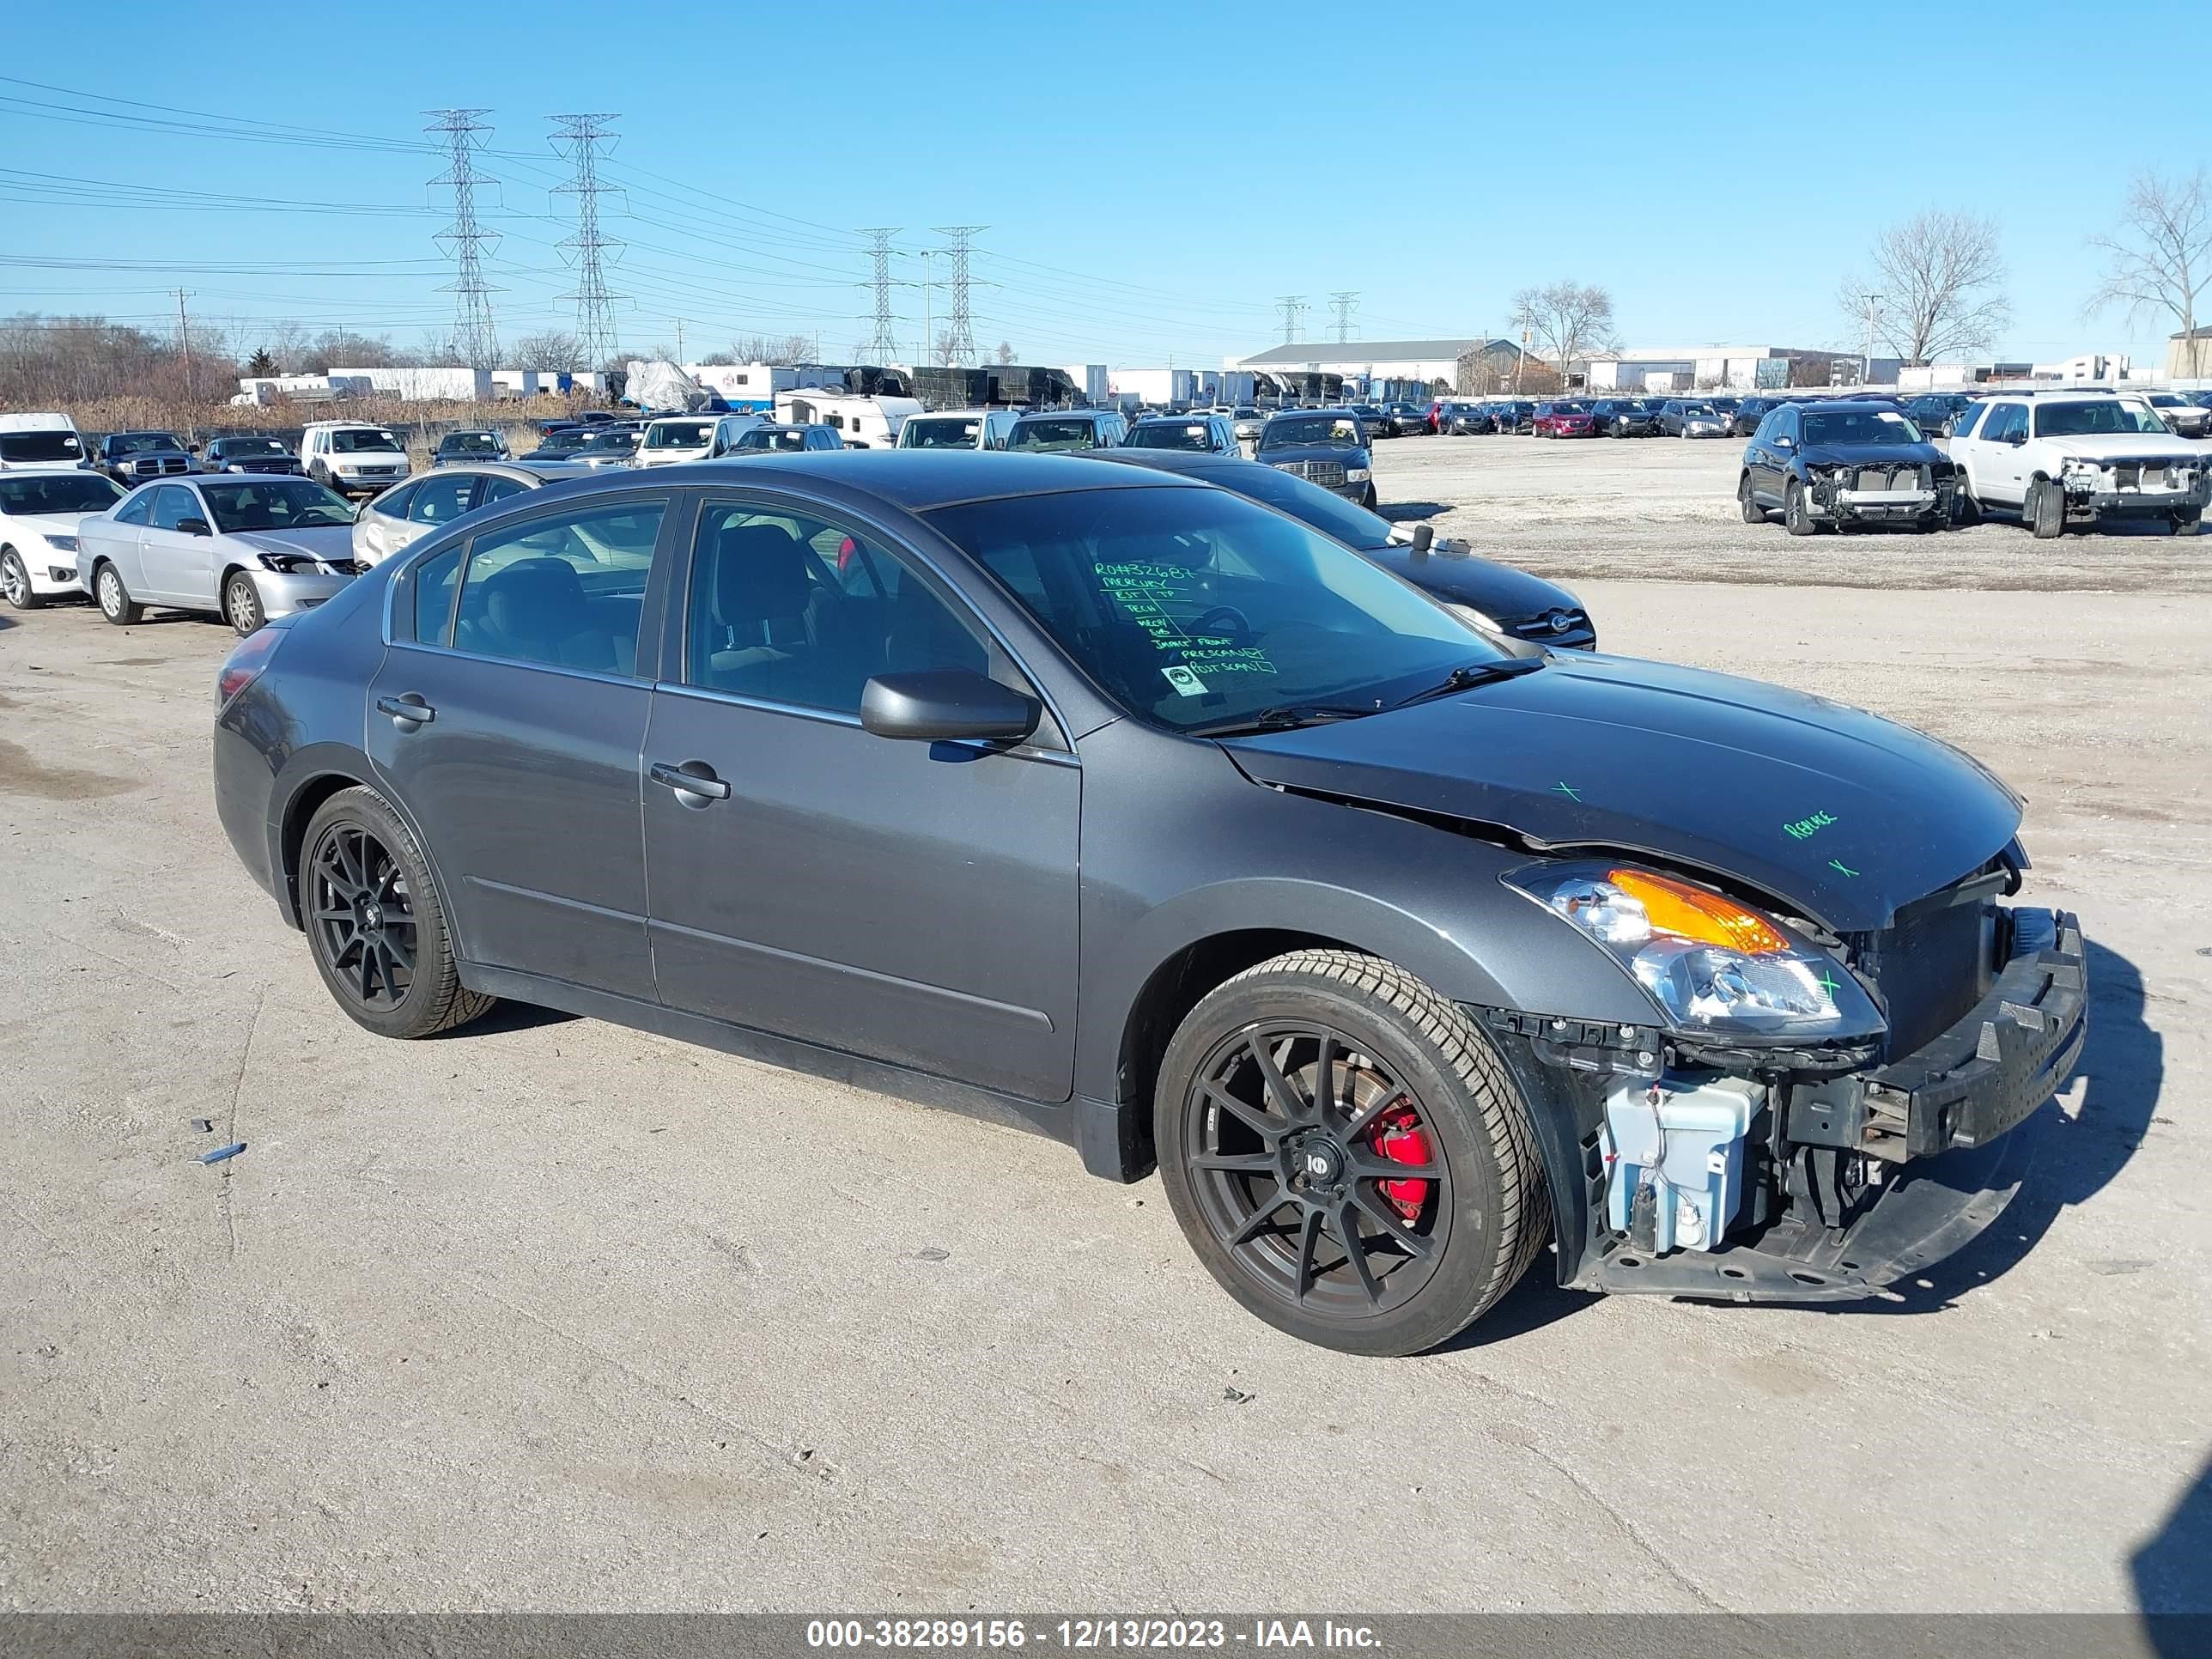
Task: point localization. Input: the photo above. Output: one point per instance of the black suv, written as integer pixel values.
(1828, 464)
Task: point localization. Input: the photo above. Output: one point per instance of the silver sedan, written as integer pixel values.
(434, 500)
(247, 548)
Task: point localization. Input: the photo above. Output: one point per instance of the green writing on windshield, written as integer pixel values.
(1144, 593)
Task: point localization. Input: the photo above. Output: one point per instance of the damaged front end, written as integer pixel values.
(1901, 492)
(1769, 1165)
(2137, 487)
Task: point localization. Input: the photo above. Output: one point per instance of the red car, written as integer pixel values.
(1564, 421)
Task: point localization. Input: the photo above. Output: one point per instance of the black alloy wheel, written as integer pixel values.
(374, 923)
(1753, 512)
(363, 916)
(1797, 518)
(1347, 1154)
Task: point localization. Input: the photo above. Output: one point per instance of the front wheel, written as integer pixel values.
(1348, 1155)
(15, 583)
(241, 603)
(1367, 498)
(115, 601)
(2045, 510)
(374, 924)
(1797, 518)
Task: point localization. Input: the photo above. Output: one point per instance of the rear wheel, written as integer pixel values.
(241, 603)
(2186, 522)
(2045, 510)
(374, 923)
(1753, 512)
(15, 583)
(1348, 1155)
(115, 601)
(1796, 519)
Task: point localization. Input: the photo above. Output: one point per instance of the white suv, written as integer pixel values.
(352, 457)
(2079, 458)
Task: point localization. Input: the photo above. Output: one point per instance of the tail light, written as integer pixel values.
(244, 665)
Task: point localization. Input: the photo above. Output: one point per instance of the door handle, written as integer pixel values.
(702, 782)
(407, 711)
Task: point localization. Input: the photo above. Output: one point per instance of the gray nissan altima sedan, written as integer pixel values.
(1127, 808)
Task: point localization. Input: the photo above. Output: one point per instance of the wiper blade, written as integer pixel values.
(1473, 674)
(1285, 717)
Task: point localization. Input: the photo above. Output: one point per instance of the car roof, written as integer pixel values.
(917, 480)
(55, 471)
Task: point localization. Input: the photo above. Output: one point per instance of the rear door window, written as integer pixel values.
(566, 589)
(442, 499)
(392, 504)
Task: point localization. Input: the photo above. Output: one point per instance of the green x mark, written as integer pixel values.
(1568, 790)
(1838, 865)
(1829, 982)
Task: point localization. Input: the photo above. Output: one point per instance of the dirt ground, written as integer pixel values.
(552, 1315)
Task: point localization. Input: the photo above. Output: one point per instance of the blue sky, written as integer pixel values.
(1151, 175)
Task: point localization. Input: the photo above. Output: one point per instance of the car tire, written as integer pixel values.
(2045, 510)
(16, 584)
(2187, 522)
(1231, 1141)
(1753, 512)
(1796, 518)
(241, 603)
(373, 913)
(115, 601)
(1966, 510)
(1367, 498)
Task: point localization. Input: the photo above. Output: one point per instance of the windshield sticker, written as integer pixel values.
(1885, 414)
(1187, 685)
(1806, 828)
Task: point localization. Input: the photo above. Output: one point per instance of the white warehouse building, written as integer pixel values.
(1683, 369)
(1375, 360)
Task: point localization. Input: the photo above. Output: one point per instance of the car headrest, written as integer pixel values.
(760, 574)
(537, 600)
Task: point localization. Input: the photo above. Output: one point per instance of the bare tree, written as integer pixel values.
(1006, 352)
(1937, 289)
(2160, 258)
(1565, 319)
(779, 351)
(551, 352)
(942, 352)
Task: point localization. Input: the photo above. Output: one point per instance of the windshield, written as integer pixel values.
(274, 504)
(352, 442)
(143, 443)
(1861, 425)
(248, 446)
(771, 437)
(939, 434)
(61, 492)
(1340, 432)
(678, 435)
(1054, 435)
(2092, 419)
(1699, 409)
(469, 443)
(1172, 434)
(621, 442)
(563, 443)
(22, 447)
(1196, 608)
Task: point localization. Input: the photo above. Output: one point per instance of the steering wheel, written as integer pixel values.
(1228, 615)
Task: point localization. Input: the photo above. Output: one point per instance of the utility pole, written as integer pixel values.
(960, 341)
(596, 333)
(1344, 304)
(184, 346)
(1291, 306)
(883, 346)
(474, 337)
(1873, 312)
(679, 342)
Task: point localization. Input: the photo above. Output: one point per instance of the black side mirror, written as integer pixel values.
(194, 527)
(947, 704)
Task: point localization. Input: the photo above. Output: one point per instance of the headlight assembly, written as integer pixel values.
(62, 543)
(1357, 474)
(1711, 965)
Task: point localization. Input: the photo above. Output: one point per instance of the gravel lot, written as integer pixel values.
(554, 1315)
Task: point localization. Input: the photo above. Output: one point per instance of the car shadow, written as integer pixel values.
(1399, 511)
(2173, 1591)
(506, 1016)
(2121, 1069)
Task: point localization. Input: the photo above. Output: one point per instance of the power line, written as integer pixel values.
(959, 339)
(1344, 303)
(595, 316)
(474, 337)
(1293, 307)
(883, 346)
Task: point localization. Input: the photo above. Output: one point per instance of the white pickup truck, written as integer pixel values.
(2062, 459)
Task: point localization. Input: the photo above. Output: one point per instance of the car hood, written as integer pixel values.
(1496, 590)
(1276, 455)
(45, 524)
(1836, 812)
(1870, 454)
(2119, 445)
(320, 541)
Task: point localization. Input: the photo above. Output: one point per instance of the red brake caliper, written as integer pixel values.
(1398, 1135)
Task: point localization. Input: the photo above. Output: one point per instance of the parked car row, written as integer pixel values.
(2055, 460)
